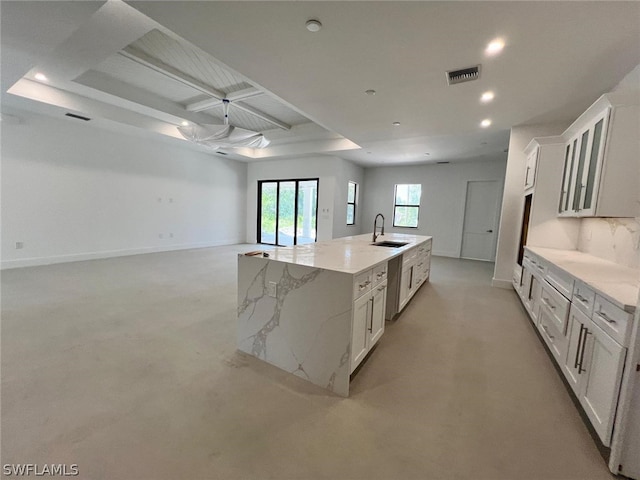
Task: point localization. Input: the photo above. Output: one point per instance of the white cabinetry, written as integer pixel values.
(367, 326)
(600, 160)
(530, 167)
(594, 369)
(416, 267)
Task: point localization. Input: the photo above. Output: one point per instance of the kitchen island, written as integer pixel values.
(317, 310)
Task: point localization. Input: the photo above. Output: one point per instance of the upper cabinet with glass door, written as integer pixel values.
(602, 160)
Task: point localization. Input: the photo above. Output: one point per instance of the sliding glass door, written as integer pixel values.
(287, 211)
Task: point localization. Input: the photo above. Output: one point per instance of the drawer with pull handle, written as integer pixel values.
(612, 319)
(379, 274)
(561, 281)
(557, 305)
(555, 340)
(362, 283)
(583, 297)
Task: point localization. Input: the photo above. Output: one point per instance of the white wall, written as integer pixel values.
(71, 191)
(442, 204)
(513, 199)
(333, 174)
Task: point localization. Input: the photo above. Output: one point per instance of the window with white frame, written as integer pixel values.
(406, 205)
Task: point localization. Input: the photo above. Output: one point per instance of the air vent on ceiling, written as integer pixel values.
(79, 117)
(463, 75)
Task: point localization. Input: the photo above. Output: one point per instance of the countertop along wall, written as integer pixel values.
(334, 174)
(443, 199)
(73, 191)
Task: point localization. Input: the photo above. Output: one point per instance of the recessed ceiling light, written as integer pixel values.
(487, 97)
(494, 47)
(184, 123)
(313, 25)
(485, 123)
(396, 124)
(370, 92)
(41, 76)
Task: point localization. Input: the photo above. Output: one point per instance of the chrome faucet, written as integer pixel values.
(375, 225)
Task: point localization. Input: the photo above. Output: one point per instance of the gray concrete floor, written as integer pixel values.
(127, 367)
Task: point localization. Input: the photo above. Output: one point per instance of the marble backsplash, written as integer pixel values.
(614, 239)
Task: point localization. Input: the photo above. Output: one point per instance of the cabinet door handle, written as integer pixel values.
(581, 298)
(546, 330)
(575, 364)
(411, 278)
(381, 288)
(605, 317)
(546, 301)
(584, 344)
(371, 317)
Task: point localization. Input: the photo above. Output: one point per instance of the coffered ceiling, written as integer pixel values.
(148, 67)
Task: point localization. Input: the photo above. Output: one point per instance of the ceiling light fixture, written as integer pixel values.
(494, 47)
(223, 136)
(41, 76)
(485, 123)
(396, 124)
(370, 92)
(313, 25)
(487, 97)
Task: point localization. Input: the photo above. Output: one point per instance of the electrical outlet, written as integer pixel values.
(19, 245)
(273, 289)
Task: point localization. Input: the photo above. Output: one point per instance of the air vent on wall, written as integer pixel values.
(79, 117)
(463, 75)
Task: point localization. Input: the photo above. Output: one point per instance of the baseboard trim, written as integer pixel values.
(506, 284)
(79, 257)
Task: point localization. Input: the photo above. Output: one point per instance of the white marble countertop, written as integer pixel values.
(616, 283)
(348, 254)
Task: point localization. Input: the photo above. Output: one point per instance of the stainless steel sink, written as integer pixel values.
(390, 243)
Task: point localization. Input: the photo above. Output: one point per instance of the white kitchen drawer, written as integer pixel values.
(613, 320)
(409, 256)
(424, 248)
(379, 274)
(560, 280)
(362, 283)
(557, 305)
(555, 340)
(583, 297)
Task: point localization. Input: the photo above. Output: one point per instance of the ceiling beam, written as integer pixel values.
(264, 116)
(232, 97)
(161, 67)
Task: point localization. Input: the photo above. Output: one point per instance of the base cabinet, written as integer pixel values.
(593, 368)
(368, 322)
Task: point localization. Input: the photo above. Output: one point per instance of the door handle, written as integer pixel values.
(584, 344)
(575, 364)
(489, 231)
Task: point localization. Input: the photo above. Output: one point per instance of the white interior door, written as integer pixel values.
(481, 220)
